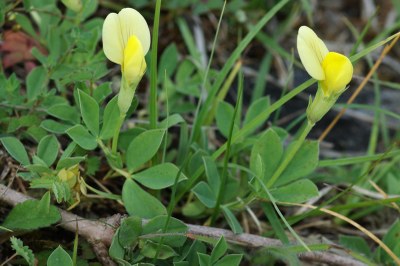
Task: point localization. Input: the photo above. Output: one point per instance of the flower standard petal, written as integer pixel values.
(312, 51)
(113, 45)
(133, 23)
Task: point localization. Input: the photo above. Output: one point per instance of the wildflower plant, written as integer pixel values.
(150, 172)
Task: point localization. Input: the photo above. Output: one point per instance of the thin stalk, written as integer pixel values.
(153, 68)
(291, 153)
(116, 133)
(224, 174)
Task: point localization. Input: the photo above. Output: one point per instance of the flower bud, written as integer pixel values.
(70, 175)
(74, 5)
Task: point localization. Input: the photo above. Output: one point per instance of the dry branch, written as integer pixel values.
(103, 231)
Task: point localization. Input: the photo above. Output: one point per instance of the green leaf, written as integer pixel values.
(102, 92)
(176, 226)
(90, 112)
(38, 160)
(219, 250)
(168, 61)
(149, 249)
(22, 250)
(69, 161)
(303, 163)
(224, 116)
(392, 240)
(296, 192)
(232, 221)
(355, 243)
(171, 120)
(159, 176)
(32, 214)
(25, 23)
(43, 182)
(38, 168)
(129, 231)
(89, 8)
(270, 150)
(36, 81)
(212, 174)
(48, 149)
(140, 203)
(43, 59)
(181, 263)
(36, 133)
(257, 107)
(54, 126)
(68, 150)
(61, 191)
(204, 259)
(205, 194)
(143, 148)
(193, 209)
(230, 260)
(116, 251)
(64, 112)
(110, 119)
(393, 184)
(59, 257)
(16, 149)
(82, 137)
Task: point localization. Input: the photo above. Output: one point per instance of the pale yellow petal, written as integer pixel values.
(113, 45)
(133, 23)
(312, 52)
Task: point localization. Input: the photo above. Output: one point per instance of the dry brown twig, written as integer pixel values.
(100, 233)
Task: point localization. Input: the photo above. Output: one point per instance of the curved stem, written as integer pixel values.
(291, 153)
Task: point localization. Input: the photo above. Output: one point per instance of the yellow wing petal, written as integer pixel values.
(312, 52)
(133, 23)
(113, 44)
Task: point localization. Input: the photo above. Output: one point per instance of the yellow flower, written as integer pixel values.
(126, 40)
(332, 70)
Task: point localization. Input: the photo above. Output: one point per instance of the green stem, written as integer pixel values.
(105, 149)
(116, 133)
(153, 69)
(221, 191)
(291, 153)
